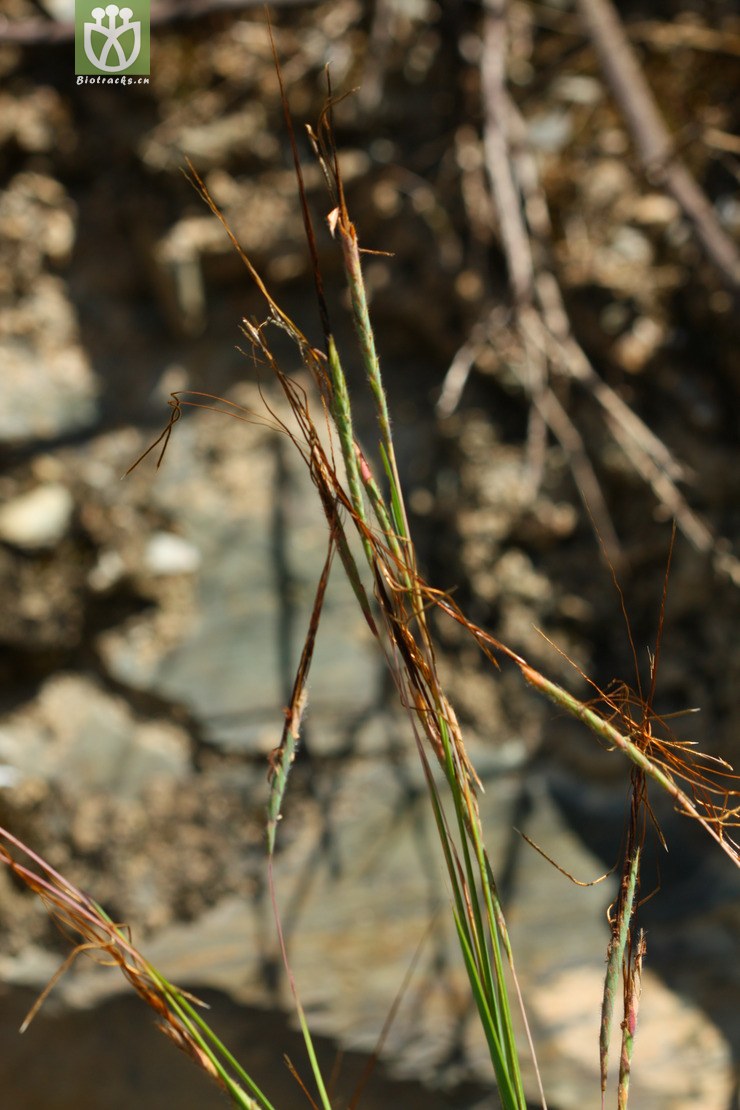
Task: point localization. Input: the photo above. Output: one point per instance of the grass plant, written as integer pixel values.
(372, 509)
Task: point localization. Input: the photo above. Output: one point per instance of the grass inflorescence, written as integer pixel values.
(355, 501)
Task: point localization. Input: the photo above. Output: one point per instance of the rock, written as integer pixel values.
(253, 525)
(109, 570)
(66, 403)
(578, 88)
(167, 553)
(632, 245)
(62, 10)
(37, 519)
(636, 346)
(654, 210)
(48, 385)
(549, 132)
(83, 740)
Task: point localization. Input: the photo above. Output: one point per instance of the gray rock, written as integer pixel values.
(49, 388)
(251, 519)
(85, 741)
(64, 400)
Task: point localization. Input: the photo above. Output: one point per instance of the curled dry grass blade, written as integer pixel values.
(91, 931)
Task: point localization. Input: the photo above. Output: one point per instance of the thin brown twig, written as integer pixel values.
(519, 248)
(554, 863)
(496, 146)
(543, 321)
(653, 143)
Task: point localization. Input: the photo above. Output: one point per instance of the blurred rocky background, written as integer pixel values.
(149, 626)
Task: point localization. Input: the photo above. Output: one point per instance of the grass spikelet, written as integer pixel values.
(281, 760)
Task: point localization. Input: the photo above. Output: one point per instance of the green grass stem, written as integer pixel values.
(615, 964)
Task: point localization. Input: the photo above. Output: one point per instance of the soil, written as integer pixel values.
(118, 287)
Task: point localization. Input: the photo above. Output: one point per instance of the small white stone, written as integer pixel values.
(576, 88)
(632, 245)
(167, 553)
(61, 10)
(9, 776)
(108, 570)
(37, 519)
(655, 209)
(549, 132)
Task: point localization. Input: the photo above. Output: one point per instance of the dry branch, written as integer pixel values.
(653, 143)
(539, 312)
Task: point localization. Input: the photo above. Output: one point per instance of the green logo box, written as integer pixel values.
(111, 40)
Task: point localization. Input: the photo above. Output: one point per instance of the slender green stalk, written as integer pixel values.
(473, 946)
(342, 414)
(307, 1039)
(366, 338)
(283, 757)
(615, 964)
(491, 933)
(282, 765)
(213, 1048)
(315, 1068)
(78, 914)
(477, 912)
(608, 732)
(364, 329)
(629, 1027)
(223, 1062)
